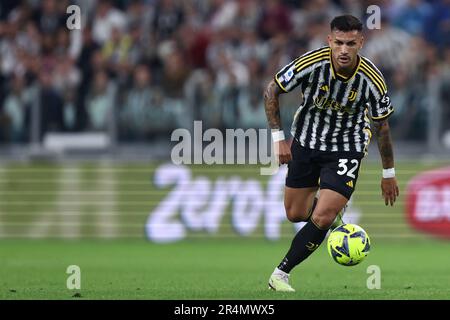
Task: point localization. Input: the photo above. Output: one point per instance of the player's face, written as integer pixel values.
(345, 47)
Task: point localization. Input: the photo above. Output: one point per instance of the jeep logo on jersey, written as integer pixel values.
(325, 103)
(428, 202)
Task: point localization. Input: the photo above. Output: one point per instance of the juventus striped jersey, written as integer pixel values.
(334, 115)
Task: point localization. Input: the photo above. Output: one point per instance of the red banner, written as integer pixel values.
(428, 202)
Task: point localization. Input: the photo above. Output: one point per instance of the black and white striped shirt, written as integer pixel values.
(334, 115)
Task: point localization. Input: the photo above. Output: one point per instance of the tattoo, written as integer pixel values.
(383, 134)
(272, 105)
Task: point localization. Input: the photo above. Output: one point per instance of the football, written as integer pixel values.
(348, 244)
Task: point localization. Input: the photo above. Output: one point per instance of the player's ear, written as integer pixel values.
(329, 38)
(361, 44)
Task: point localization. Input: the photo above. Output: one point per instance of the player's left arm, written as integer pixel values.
(389, 187)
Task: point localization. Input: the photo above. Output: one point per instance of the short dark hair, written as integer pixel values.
(346, 23)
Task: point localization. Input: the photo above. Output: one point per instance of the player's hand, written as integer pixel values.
(389, 190)
(283, 151)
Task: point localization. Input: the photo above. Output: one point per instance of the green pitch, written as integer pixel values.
(214, 269)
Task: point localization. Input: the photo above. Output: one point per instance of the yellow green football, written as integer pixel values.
(348, 244)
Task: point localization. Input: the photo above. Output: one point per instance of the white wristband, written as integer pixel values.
(388, 173)
(278, 135)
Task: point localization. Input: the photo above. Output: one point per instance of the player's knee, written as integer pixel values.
(324, 217)
(294, 214)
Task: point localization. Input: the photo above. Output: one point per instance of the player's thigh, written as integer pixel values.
(297, 202)
(330, 203)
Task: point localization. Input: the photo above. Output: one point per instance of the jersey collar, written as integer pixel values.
(339, 76)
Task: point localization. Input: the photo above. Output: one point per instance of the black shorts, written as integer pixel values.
(337, 171)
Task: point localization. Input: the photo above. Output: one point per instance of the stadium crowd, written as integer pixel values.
(142, 68)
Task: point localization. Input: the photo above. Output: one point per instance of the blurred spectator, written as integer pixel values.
(143, 113)
(51, 105)
(28, 39)
(175, 73)
(65, 76)
(16, 110)
(251, 108)
(223, 14)
(70, 109)
(116, 52)
(167, 18)
(194, 43)
(275, 19)
(106, 19)
(100, 102)
(251, 48)
(49, 18)
(231, 80)
(140, 14)
(248, 16)
(86, 63)
(6, 6)
(406, 107)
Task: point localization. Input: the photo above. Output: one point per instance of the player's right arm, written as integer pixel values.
(287, 79)
(272, 107)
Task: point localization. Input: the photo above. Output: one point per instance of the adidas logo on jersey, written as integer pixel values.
(350, 183)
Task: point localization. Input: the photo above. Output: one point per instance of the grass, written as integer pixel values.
(214, 269)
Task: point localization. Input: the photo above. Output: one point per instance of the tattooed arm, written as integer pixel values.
(272, 107)
(389, 186)
(383, 133)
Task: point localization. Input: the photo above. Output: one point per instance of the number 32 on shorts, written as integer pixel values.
(348, 167)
